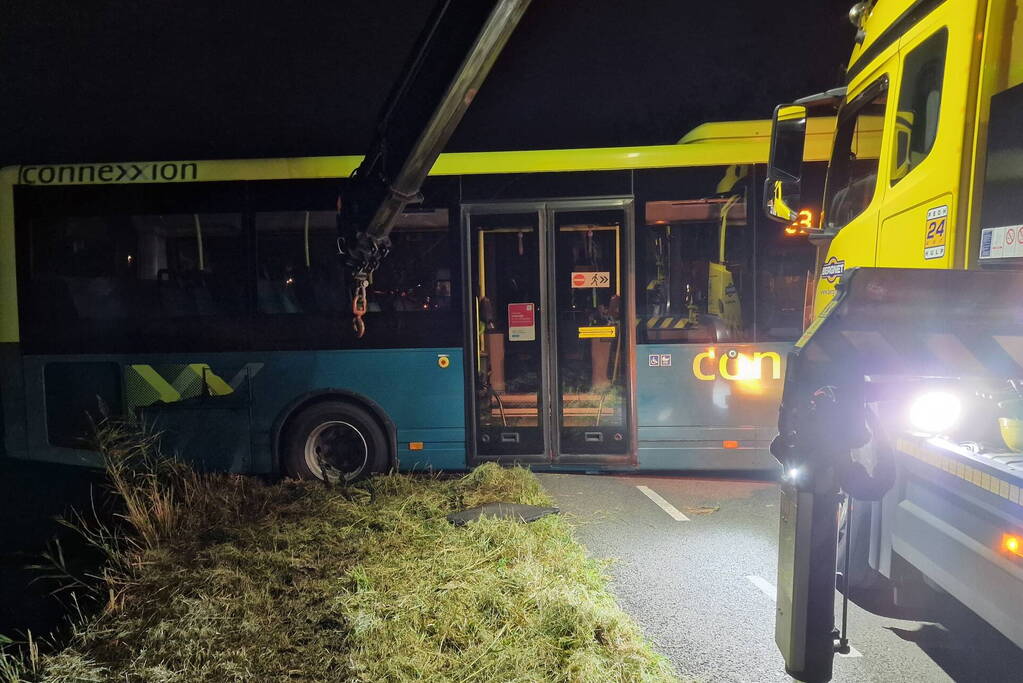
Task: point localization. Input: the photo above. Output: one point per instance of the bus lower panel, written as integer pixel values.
(234, 401)
(709, 455)
(442, 449)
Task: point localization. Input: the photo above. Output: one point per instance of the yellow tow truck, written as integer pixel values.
(905, 393)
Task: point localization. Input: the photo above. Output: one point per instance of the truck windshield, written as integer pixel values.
(852, 173)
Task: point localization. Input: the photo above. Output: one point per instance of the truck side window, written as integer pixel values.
(916, 123)
(852, 173)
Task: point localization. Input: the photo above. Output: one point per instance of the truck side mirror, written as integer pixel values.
(785, 163)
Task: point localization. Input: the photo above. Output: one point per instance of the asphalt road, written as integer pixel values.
(702, 589)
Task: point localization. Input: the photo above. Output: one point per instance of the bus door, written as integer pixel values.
(550, 311)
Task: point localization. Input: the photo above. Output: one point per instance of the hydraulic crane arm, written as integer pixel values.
(453, 55)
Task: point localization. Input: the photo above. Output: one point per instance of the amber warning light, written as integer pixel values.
(803, 224)
(1013, 544)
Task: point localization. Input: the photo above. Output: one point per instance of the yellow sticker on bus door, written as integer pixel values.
(608, 332)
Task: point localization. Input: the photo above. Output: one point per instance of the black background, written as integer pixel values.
(100, 80)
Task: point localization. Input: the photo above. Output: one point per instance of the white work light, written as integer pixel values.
(935, 412)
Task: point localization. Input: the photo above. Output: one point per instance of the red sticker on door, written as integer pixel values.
(521, 322)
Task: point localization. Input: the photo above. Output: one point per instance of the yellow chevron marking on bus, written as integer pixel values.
(167, 393)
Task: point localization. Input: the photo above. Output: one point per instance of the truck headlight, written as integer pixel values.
(935, 412)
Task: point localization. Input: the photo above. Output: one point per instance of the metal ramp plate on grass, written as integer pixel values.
(513, 511)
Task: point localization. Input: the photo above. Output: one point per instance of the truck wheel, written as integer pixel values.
(338, 436)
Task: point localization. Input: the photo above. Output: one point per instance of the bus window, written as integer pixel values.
(300, 274)
(785, 265)
(153, 265)
(298, 269)
(416, 276)
(695, 257)
(194, 262)
(113, 269)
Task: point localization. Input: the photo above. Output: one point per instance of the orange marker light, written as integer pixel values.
(1012, 544)
(415, 445)
(729, 444)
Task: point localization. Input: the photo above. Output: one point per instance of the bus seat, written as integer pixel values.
(98, 298)
(174, 300)
(53, 295)
(203, 300)
(274, 297)
(329, 297)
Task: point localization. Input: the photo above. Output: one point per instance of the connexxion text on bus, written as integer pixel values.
(941, 188)
(594, 308)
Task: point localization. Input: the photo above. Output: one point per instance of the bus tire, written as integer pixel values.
(344, 436)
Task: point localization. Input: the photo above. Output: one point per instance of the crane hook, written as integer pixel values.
(359, 309)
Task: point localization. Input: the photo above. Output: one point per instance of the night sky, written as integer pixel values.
(96, 81)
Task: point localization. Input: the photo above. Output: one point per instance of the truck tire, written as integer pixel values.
(343, 436)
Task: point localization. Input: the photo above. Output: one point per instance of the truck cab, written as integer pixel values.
(908, 155)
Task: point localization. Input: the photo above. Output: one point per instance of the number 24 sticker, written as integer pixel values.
(934, 238)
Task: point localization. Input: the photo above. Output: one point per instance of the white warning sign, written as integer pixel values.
(1002, 242)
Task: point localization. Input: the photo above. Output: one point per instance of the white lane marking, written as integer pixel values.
(768, 589)
(663, 504)
(765, 586)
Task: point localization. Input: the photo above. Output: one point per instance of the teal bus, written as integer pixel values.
(587, 309)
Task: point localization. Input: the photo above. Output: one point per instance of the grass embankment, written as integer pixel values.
(223, 578)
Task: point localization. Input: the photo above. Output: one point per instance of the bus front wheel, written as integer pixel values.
(334, 441)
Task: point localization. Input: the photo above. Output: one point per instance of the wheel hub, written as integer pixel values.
(339, 446)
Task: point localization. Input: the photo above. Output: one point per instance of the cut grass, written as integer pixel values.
(222, 578)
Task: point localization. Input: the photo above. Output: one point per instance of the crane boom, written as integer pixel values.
(453, 55)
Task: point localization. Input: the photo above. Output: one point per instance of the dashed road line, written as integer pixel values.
(768, 589)
(663, 504)
(765, 586)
